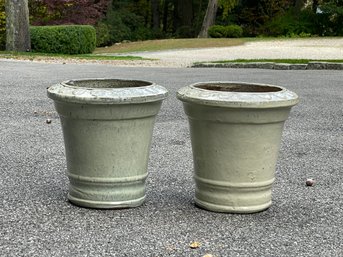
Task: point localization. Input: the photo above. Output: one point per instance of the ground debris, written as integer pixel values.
(194, 245)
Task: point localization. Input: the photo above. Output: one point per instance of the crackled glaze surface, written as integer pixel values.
(106, 91)
(236, 131)
(107, 128)
(278, 96)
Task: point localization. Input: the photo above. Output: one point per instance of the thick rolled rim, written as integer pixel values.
(107, 91)
(238, 95)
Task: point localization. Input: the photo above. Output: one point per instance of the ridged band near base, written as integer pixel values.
(232, 209)
(105, 204)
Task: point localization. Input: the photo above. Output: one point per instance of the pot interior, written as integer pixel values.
(236, 87)
(107, 83)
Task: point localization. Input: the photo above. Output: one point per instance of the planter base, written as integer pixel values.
(107, 193)
(232, 209)
(106, 205)
(233, 197)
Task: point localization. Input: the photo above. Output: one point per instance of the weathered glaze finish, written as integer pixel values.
(107, 127)
(236, 131)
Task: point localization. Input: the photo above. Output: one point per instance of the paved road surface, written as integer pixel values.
(37, 220)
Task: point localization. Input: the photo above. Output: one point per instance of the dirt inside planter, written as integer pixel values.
(246, 88)
(108, 83)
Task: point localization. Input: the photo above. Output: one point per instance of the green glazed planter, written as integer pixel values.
(107, 127)
(236, 131)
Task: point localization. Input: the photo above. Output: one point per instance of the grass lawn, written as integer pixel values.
(119, 51)
(103, 53)
(37, 56)
(169, 44)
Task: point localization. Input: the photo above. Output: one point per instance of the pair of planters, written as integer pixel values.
(235, 129)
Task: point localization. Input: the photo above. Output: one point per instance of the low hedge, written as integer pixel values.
(69, 39)
(217, 31)
(230, 31)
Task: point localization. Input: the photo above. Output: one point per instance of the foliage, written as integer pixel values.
(117, 30)
(185, 32)
(55, 12)
(122, 25)
(112, 30)
(227, 6)
(331, 18)
(291, 23)
(134, 20)
(72, 39)
(2, 25)
(103, 37)
(230, 31)
(252, 15)
(233, 31)
(217, 31)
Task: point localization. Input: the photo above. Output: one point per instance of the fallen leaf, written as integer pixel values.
(194, 245)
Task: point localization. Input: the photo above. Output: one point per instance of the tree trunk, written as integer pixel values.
(209, 18)
(155, 7)
(165, 15)
(185, 12)
(17, 26)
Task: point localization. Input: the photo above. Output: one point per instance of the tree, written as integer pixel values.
(2, 25)
(209, 18)
(155, 9)
(183, 13)
(211, 12)
(17, 26)
(298, 5)
(332, 17)
(58, 12)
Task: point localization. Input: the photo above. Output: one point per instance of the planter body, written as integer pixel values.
(236, 131)
(107, 127)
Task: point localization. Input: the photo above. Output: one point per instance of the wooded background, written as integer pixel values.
(120, 20)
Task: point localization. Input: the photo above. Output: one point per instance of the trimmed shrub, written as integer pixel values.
(219, 31)
(216, 31)
(70, 39)
(233, 31)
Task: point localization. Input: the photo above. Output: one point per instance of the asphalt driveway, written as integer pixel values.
(37, 220)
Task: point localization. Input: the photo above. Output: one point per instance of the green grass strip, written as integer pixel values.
(37, 56)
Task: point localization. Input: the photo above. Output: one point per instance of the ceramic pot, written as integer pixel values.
(107, 127)
(236, 131)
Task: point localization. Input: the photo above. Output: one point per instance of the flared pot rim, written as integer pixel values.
(107, 91)
(235, 94)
